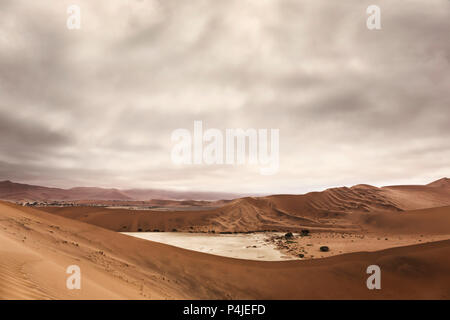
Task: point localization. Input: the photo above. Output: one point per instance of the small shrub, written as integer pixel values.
(304, 232)
(289, 235)
(324, 249)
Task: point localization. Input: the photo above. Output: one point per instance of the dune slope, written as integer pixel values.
(36, 248)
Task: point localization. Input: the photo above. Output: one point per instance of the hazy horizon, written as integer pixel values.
(205, 191)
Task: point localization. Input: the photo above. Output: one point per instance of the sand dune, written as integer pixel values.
(242, 215)
(423, 221)
(36, 247)
(336, 209)
(418, 197)
(441, 183)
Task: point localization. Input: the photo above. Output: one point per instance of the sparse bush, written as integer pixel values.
(304, 232)
(289, 235)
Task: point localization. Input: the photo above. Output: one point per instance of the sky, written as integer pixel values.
(97, 106)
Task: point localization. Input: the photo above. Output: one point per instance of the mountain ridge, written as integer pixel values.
(26, 192)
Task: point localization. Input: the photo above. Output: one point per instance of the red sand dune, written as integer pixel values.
(335, 209)
(37, 247)
(423, 221)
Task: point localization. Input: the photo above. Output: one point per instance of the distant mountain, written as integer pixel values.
(24, 192)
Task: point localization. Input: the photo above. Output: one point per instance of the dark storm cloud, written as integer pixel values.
(27, 133)
(97, 106)
(24, 139)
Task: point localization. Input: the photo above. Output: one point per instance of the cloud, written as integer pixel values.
(97, 106)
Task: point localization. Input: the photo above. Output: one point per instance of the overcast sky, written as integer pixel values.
(97, 106)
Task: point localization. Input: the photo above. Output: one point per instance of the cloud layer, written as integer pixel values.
(97, 106)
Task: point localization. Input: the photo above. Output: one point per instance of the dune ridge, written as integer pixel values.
(335, 209)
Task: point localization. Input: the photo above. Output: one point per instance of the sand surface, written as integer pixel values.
(36, 248)
(308, 247)
(402, 229)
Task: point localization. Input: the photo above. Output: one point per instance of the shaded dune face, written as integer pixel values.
(432, 221)
(336, 209)
(36, 248)
(418, 197)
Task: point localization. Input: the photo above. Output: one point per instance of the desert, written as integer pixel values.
(409, 240)
(224, 150)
